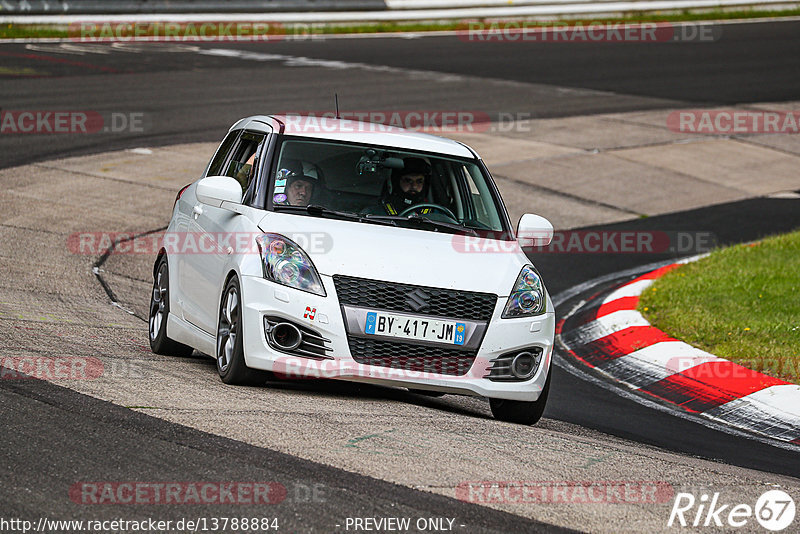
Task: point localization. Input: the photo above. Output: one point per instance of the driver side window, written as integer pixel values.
(216, 165)
(244, 159)
(238, 158)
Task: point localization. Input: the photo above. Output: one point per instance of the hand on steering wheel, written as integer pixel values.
(429, 205)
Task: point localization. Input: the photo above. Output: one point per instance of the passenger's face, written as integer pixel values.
(412, 183)
(299, 193)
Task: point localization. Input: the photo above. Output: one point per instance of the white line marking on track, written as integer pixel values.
(70, 48)
(415, 74)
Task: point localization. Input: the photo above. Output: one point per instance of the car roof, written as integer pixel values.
(361, 132)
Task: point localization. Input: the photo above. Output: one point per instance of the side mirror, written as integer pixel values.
(215, 190)
(534, 231)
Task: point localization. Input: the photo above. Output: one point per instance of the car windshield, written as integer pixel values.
(373, 183)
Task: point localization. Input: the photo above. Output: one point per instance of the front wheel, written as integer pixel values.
(230, 343)
(521, 412)
(159, 313)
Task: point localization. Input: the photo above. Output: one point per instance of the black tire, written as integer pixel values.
(159, 312)
(521, 412)
(230, 345)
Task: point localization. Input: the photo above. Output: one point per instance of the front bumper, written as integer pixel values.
(262, 298)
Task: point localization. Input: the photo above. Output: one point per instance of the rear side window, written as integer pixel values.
(215, 168)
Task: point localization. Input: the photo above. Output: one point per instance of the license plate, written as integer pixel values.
(403, 326)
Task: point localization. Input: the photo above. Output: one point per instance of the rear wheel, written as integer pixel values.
(159, 312)
(230, 343)
(521, 412)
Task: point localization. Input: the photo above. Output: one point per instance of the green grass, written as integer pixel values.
(17, 31)
(740, 303)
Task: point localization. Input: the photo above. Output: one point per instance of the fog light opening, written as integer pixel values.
(286, 336)
(524, 365)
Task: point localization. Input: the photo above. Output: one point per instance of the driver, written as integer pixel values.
(299, 189)
(408, 187)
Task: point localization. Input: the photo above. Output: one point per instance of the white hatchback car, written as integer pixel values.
(341, 249)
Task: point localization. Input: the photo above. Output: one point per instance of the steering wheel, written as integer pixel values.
(429, 205)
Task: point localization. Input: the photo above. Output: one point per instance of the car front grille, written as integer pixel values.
(408, 357)
(414, 299)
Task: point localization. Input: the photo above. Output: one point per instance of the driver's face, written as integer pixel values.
(412, 183)
(299, 193)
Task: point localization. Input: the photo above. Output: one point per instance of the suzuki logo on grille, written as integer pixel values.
(417, 299)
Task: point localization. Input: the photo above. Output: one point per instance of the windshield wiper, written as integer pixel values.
(321, 211)
(419, 219)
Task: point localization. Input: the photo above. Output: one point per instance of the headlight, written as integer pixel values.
(528, 296)
(285, 263)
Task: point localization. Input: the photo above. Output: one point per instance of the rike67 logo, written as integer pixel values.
(774, 511)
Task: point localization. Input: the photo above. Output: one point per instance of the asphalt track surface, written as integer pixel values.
(190, 96)
(103, 438)
(194, 97)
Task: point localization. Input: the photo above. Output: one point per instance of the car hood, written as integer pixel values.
(404, 255)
